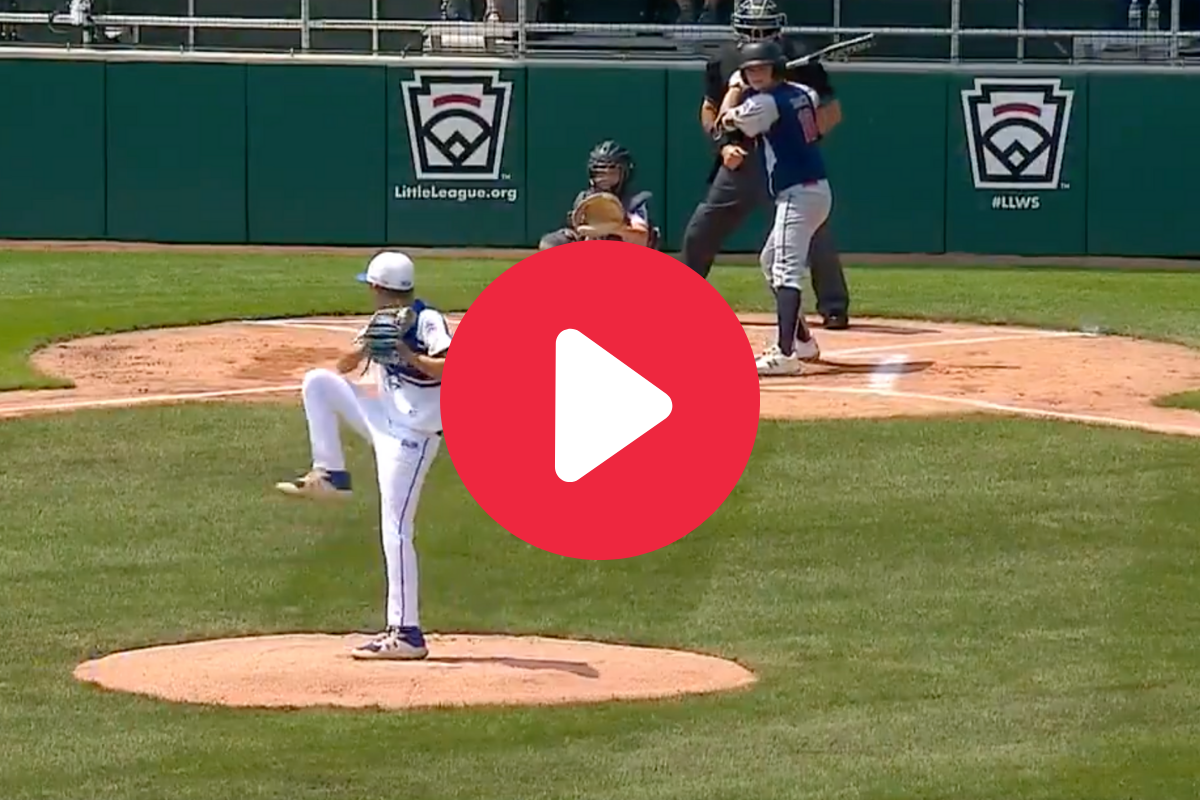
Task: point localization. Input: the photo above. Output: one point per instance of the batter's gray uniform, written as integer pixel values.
(784, 119)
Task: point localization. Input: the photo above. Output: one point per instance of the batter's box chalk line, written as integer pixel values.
(987, 405)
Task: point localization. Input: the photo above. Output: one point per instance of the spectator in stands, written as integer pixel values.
(1189, 15)
(470, 10)
(614, 12)
(705, 12)
(8, 33)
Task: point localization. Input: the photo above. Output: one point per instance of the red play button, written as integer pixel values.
(601, 401)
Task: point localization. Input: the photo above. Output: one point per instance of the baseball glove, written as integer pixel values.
(383, 333)
(598, 215)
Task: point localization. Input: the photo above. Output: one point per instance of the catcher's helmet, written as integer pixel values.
(763, 52)
(755, 20)
(610, 154)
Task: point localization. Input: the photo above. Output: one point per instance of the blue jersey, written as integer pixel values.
(412, 398)
(785, 119)
(429, 336)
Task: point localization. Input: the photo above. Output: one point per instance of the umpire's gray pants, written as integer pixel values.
(799, 211)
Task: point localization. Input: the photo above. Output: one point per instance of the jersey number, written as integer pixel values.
(808, 123)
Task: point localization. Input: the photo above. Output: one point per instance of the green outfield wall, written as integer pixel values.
(979, 160)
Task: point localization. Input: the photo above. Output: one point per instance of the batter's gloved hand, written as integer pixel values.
(598, 215)
(382, 336)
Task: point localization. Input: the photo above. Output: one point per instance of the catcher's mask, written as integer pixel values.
(766, 52)
(610, 155)
(757, 20)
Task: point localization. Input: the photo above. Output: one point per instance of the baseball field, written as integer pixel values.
(963, 562)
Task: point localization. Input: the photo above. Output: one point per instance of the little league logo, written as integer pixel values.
(457, 121)
(1017, 131)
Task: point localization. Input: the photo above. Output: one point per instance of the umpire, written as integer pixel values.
(736, 184)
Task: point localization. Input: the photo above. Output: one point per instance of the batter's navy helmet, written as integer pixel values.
(764, 52)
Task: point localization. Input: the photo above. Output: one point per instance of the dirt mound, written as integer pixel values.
(299, 670)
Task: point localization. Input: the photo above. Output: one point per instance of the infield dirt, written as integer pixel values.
(877, 368)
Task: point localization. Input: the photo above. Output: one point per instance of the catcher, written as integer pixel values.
(408, 340)
(607, 209)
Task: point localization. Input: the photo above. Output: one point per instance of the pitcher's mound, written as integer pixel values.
(299, 670)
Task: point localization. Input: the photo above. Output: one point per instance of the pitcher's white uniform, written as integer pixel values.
(402, 421)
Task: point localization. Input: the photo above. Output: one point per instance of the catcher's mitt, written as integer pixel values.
(598, 215)
(383, 333)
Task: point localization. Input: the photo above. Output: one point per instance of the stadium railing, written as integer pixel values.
(73, 24)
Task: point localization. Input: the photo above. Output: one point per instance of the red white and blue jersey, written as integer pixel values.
(785, 120)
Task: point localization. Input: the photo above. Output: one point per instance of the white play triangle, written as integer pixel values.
(601, 406)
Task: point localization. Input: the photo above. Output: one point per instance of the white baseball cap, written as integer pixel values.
(390, 270)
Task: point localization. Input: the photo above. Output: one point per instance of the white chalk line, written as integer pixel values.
(317, 326)
(303, 324)
(885, 375)
(150, 399)
(78, 405)
(884, 348)
(987, 405)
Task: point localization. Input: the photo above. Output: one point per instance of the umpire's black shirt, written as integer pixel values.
(721, 66)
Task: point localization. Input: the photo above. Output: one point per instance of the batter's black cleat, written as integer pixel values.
(836, 322)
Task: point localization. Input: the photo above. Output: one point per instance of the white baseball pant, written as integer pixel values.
(402, 460)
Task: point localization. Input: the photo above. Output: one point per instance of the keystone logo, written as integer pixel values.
(1017, 131)
(457, 121)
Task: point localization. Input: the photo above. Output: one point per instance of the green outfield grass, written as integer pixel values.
(954, 609)
(968, 609)
(50, 296)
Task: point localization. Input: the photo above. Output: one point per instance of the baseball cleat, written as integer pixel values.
(394, 644)
(318, 484)
(808, 350)
(837, 322)
(774, 362)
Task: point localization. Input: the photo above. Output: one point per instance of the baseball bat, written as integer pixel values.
(855, 45)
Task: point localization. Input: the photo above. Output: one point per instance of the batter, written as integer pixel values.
(783, 115)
